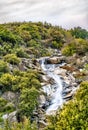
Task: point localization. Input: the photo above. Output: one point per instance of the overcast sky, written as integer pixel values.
(66, 13)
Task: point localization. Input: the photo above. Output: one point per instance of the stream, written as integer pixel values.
(62, 87)
(55, 90)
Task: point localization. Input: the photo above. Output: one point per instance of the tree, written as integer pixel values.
(78, 32)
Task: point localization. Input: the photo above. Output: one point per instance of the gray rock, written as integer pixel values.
(53, 60)
(10, 117)
(42, 100)
(10, 96)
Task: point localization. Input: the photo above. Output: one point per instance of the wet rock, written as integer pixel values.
(43, 83)
(68, 96)
(67, 91)
(46, 79)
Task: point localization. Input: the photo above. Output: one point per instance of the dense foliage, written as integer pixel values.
(78, 32)
(26, 125)
(20, 45)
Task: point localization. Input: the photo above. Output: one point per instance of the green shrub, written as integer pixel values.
(20, 52)
(25, 125)
(7, 36)
(56, 44)
(9, 107)
(69, 50)
(3, 102)
(12, 59)
(7, 81)
(29, 101)
(3, 67)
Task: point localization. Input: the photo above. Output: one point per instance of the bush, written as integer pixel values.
(29, 101)
(3, 102)
(7, 81)
(9, 107)
(69, 50)
(25, 125)
(20, 52)
(3, 67)
(12, 59)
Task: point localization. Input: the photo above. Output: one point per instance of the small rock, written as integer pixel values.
(10, 96)
(10, 117)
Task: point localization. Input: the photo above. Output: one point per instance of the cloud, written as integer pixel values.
(62, 12)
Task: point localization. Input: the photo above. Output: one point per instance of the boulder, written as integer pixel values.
(60, 71)
(68, 96)
(69, 68)
(42, 100)
(53, 60)
(46, 80)
(10, 117)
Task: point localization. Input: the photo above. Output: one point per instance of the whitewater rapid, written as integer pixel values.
(55, 90)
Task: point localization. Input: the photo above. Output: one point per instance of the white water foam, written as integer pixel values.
(56, 94)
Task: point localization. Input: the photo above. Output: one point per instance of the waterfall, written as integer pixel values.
(56, 94)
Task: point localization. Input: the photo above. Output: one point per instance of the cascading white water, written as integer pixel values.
(42, 65)
(56, 95)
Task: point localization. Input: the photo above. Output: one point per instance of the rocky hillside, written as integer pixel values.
(21, 76)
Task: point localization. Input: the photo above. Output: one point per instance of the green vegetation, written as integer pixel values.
(27, 84)
(25, 125)
(29, 101)
(69, 49)
(20, 45)
(78, 32)
(4, 68)
(12, 59)
(78, 46)
(74, 115)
